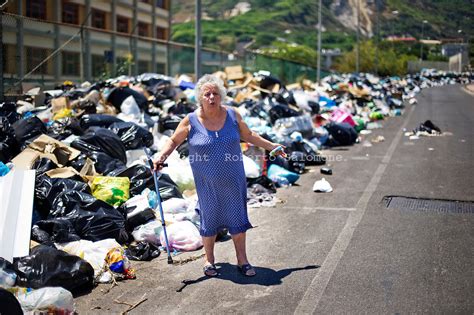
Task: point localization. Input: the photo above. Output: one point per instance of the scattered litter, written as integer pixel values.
(378, 139)
(322, 186)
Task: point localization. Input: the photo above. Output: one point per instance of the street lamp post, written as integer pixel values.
(358, 37)
(421, 38)
(319, 44)
(198, 41)
(395, 13)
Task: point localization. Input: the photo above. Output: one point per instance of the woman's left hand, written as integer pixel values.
(278, 150)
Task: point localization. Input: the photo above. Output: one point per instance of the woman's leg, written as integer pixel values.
(208, 242)
(241, 252)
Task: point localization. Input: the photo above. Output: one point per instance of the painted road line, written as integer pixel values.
(315, 291)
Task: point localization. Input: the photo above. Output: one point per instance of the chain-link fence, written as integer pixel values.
(42, 53)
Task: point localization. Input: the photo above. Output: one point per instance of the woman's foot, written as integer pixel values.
(210, 270)
(247, 270)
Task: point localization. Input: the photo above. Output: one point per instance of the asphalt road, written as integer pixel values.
(342, 252)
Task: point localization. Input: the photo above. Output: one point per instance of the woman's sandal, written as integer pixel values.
(245, 269)
(210, 270)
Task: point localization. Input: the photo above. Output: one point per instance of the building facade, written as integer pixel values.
(81, 40)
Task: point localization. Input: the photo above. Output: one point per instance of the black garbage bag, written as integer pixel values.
(183, 149)
(314, 107)
(9, 146)
(8, 110)
(296, 162)
(42, 165)
(103, 140)
(9, 303)
(161, 89)
(280, 161)
(103, 163)
(98, 120)
(119, 94)
(268, 82)
(140, 218)
(61, 129)
(182, 108)
(281, 111)
(310, 156)
(92, 219)
(47, 189)
(28, 129)
(170, 122)
(340, 134)
(42, 237)
(87, 106)
(140, 178)
(142, 251)
(49, 267)
(429, 127)
(59, 230)
(285, 97)
(264, 181)
(132, 135)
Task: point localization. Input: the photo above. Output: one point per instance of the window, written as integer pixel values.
(160, 68)
(143, 29)
(35, 56)
(70, 13)
(71, 63)
(5, 58)
(36, 9)
(161, 4)
(142, 66)
(160, 33)
(98, 19)
(98, 65)
(122, 24)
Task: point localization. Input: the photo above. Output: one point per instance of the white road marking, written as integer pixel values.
(321, 208)
(315, 291)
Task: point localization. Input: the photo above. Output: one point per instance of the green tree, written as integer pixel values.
(389, 62)
(297, 53)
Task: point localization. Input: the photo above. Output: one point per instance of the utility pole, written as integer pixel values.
(198, 42)
(319, 43)
(377, 37)
(422, 34)
(1, 55)
(83, 55)
(358, 35)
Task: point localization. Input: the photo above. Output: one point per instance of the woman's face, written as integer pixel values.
(210, 95)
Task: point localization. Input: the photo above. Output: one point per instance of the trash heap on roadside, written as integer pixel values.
(92, 198)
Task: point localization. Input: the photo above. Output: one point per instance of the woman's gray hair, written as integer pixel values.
(211, 80)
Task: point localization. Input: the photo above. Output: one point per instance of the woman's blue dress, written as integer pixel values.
(218, 169)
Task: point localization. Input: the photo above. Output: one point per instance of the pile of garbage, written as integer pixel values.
(91, 204)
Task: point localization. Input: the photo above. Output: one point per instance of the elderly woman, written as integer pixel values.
(214, 132)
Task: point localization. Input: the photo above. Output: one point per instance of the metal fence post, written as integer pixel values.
(1, 56)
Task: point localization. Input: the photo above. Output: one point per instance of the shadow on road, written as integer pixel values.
(264, 277)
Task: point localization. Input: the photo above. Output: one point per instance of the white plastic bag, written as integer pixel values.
(149, 232)
(252, 170)
(175, 205)
(322, 186)
(51, 300)
(92, 252)
(183, 236)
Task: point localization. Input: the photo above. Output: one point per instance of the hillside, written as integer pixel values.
(262, 23)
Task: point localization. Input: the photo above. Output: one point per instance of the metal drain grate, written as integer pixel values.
(428, 205)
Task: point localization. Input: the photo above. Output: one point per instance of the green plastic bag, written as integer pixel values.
(113, 190)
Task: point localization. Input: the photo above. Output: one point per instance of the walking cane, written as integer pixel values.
(158, 200)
